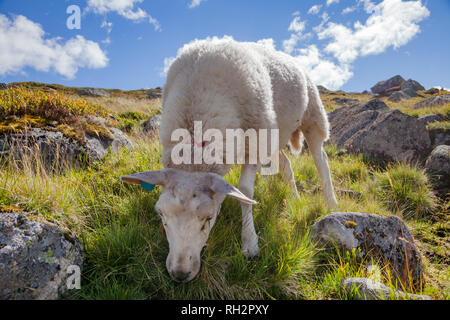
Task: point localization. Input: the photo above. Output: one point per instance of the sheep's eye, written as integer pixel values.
(194, 195)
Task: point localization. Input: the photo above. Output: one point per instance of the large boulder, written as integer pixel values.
(439, 162)
(429, 118)
(433, 101)
(35, 258)
(439, 136)
(385, 239)
(93, 92)
(383, 86)
(398, 96)
(367, 289)
(379, 133)
(412, 86)
(56, 149)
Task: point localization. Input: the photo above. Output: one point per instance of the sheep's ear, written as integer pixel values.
(219, 185)
(158, 177)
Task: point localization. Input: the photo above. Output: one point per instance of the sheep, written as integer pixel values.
(228, 84)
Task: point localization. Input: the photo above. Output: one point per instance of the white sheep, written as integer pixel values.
(228, 85)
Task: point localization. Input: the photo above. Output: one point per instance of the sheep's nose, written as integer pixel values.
(180, 276)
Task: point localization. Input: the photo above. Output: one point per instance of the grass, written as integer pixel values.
(126, 249)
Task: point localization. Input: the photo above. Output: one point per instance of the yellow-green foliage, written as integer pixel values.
(50, 106)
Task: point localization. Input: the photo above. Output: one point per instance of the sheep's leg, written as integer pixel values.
(287, 173)
(315, 144)
(246, 185)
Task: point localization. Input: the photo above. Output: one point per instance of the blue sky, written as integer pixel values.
(347, 44)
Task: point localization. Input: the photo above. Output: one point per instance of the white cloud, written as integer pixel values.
(330, 2)
(323, 71)
(125, 8)
(348, 10)
(393, 23)
(24, 45)
(314, 9)
(195, 3)
(297, 28)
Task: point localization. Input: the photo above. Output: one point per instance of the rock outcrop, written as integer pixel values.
(433, 101)
(36, 258)
(152, 124)
(383, 86)
(385, 239)
(93, 92)
(379, 133)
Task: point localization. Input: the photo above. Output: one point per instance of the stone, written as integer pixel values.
(56, 149)
(345, 101)
(3, 86)
(367, 289)
(152, 124)
(154, 95)
(398, 96)
(439, 161)
(385, 239)
(429, 118)
(93, 92)
(433, 101)
(35, 258)
(379, 133)
(382, 86)
(412, 85)
(439, 136)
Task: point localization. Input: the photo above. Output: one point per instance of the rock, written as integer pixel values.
(152, 124)
(93, 92)
(412, 85)
(439, 136)
(433, 101)
(431, 118)
(439, 161)
(385, 239)
(382, 86)
(379, 133)
(345, 101)
(398, 96)
(34, 258)
(322, 90)
(56, 149)
(366, 289)
(3, 86)
(154, 95)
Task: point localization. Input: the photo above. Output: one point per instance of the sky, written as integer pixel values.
(129, 44)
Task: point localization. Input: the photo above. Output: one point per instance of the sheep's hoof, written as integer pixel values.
(250, 251)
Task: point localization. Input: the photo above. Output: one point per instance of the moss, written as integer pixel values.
(5, 208)
(71, 133)
(99, 131)
(13, 124)
(351, 224)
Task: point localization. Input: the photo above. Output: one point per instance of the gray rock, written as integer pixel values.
(55, 149)
(3, 86)
(93, 92)
(366, 289)
(431, 118)
(152, 124)
(439, 160)
(412, 86)
(433, 101)
(154, 95)
(385, 239)
(382, 86)
(379, 133)
(34, 258)
(398, 96)
(322, 90)
(439, 136)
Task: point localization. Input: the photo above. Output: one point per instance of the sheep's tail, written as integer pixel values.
(296, 142)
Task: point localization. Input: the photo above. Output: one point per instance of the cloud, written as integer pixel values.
(125, 8)
(314, 9)
(24, 45)
(393, 24)
(195, 3)
(296, 27)
(321, 70)
(348, 10)
(330, 2)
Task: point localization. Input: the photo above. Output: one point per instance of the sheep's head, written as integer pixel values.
(188, 207)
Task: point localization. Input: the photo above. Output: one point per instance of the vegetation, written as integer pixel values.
(126, 249)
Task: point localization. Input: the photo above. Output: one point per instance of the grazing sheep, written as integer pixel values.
(228, 85)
